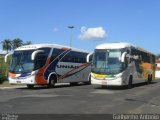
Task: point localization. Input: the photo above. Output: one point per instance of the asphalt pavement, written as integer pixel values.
(81, 99)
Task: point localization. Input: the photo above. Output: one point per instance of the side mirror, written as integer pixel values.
(89, 57)
(35, 53)
(5, 58)
(123, 56)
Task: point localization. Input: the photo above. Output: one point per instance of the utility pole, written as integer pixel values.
(70, 27)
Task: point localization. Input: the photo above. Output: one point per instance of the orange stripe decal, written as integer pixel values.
(12, 75)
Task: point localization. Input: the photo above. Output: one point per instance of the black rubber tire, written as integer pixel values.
(103, 86)
(130, 83)
(89, 81)
(30, 86)
(74, 83)
(51, 83)
(149, 79)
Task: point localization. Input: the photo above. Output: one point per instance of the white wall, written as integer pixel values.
(157, 74)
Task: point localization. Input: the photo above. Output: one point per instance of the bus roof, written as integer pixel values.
(120, 45)
(114, 45)
(37, 46)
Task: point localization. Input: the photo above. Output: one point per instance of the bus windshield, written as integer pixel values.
(107, 61)
(21, 62)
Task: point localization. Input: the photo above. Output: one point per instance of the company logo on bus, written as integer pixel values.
(30, 47)
(67, 66)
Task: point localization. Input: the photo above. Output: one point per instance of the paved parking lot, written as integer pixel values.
(81, 99)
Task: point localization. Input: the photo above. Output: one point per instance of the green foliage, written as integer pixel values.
(16, 43)
(27, 43)
(4, 69)
(8, 44)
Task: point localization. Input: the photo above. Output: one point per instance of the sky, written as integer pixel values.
(95, 22)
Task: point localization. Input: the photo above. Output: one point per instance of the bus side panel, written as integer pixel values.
(56, 56)
(40, 80)
(147, 70)
(73, 72)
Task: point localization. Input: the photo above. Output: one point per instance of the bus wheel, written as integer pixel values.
(130, 85)
(89, 81)
(30, 86)
(73, 83)
(149, 79)
(51, 82)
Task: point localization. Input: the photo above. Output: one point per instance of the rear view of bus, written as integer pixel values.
(118, 64)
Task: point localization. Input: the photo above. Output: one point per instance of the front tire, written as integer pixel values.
(52, 82)
(130, 83)
(89, 81)
(149, 79)
(30, 86)
(74, 83)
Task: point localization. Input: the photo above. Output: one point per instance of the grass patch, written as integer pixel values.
(7, 84)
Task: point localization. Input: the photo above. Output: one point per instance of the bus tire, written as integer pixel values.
(52, 81)
(73, 83)
(30, 86)
(89, 81)
(130, 82)
(149, 80)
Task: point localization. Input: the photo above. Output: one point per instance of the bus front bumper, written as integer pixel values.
(108, 82)
(29, 80)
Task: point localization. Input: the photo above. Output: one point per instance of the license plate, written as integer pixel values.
(18, 81)
(104, 82)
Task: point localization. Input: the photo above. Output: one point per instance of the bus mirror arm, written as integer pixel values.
(123, 57)
(35, 53)
(88, 57)
(6, 56)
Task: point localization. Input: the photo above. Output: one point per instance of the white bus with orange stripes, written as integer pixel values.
(47, 64)
(119, 64)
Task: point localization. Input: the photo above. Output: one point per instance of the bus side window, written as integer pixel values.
(127, 59)
(40, 60)
(56, 52)
(74, 57)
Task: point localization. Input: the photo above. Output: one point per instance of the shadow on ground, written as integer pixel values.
(56, 86)
(124, 87)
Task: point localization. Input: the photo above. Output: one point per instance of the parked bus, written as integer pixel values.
(47, 64)
(118, 64)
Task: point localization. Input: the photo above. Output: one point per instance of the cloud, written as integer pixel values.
(97, 33)
(55, 29)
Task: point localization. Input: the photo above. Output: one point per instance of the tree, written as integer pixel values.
(6, 45)
(16, 43)
(27, 43)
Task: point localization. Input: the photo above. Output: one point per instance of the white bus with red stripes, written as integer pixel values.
(47, 64)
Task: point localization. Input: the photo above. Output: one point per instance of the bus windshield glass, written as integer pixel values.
(107, 61)
(21, 62)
